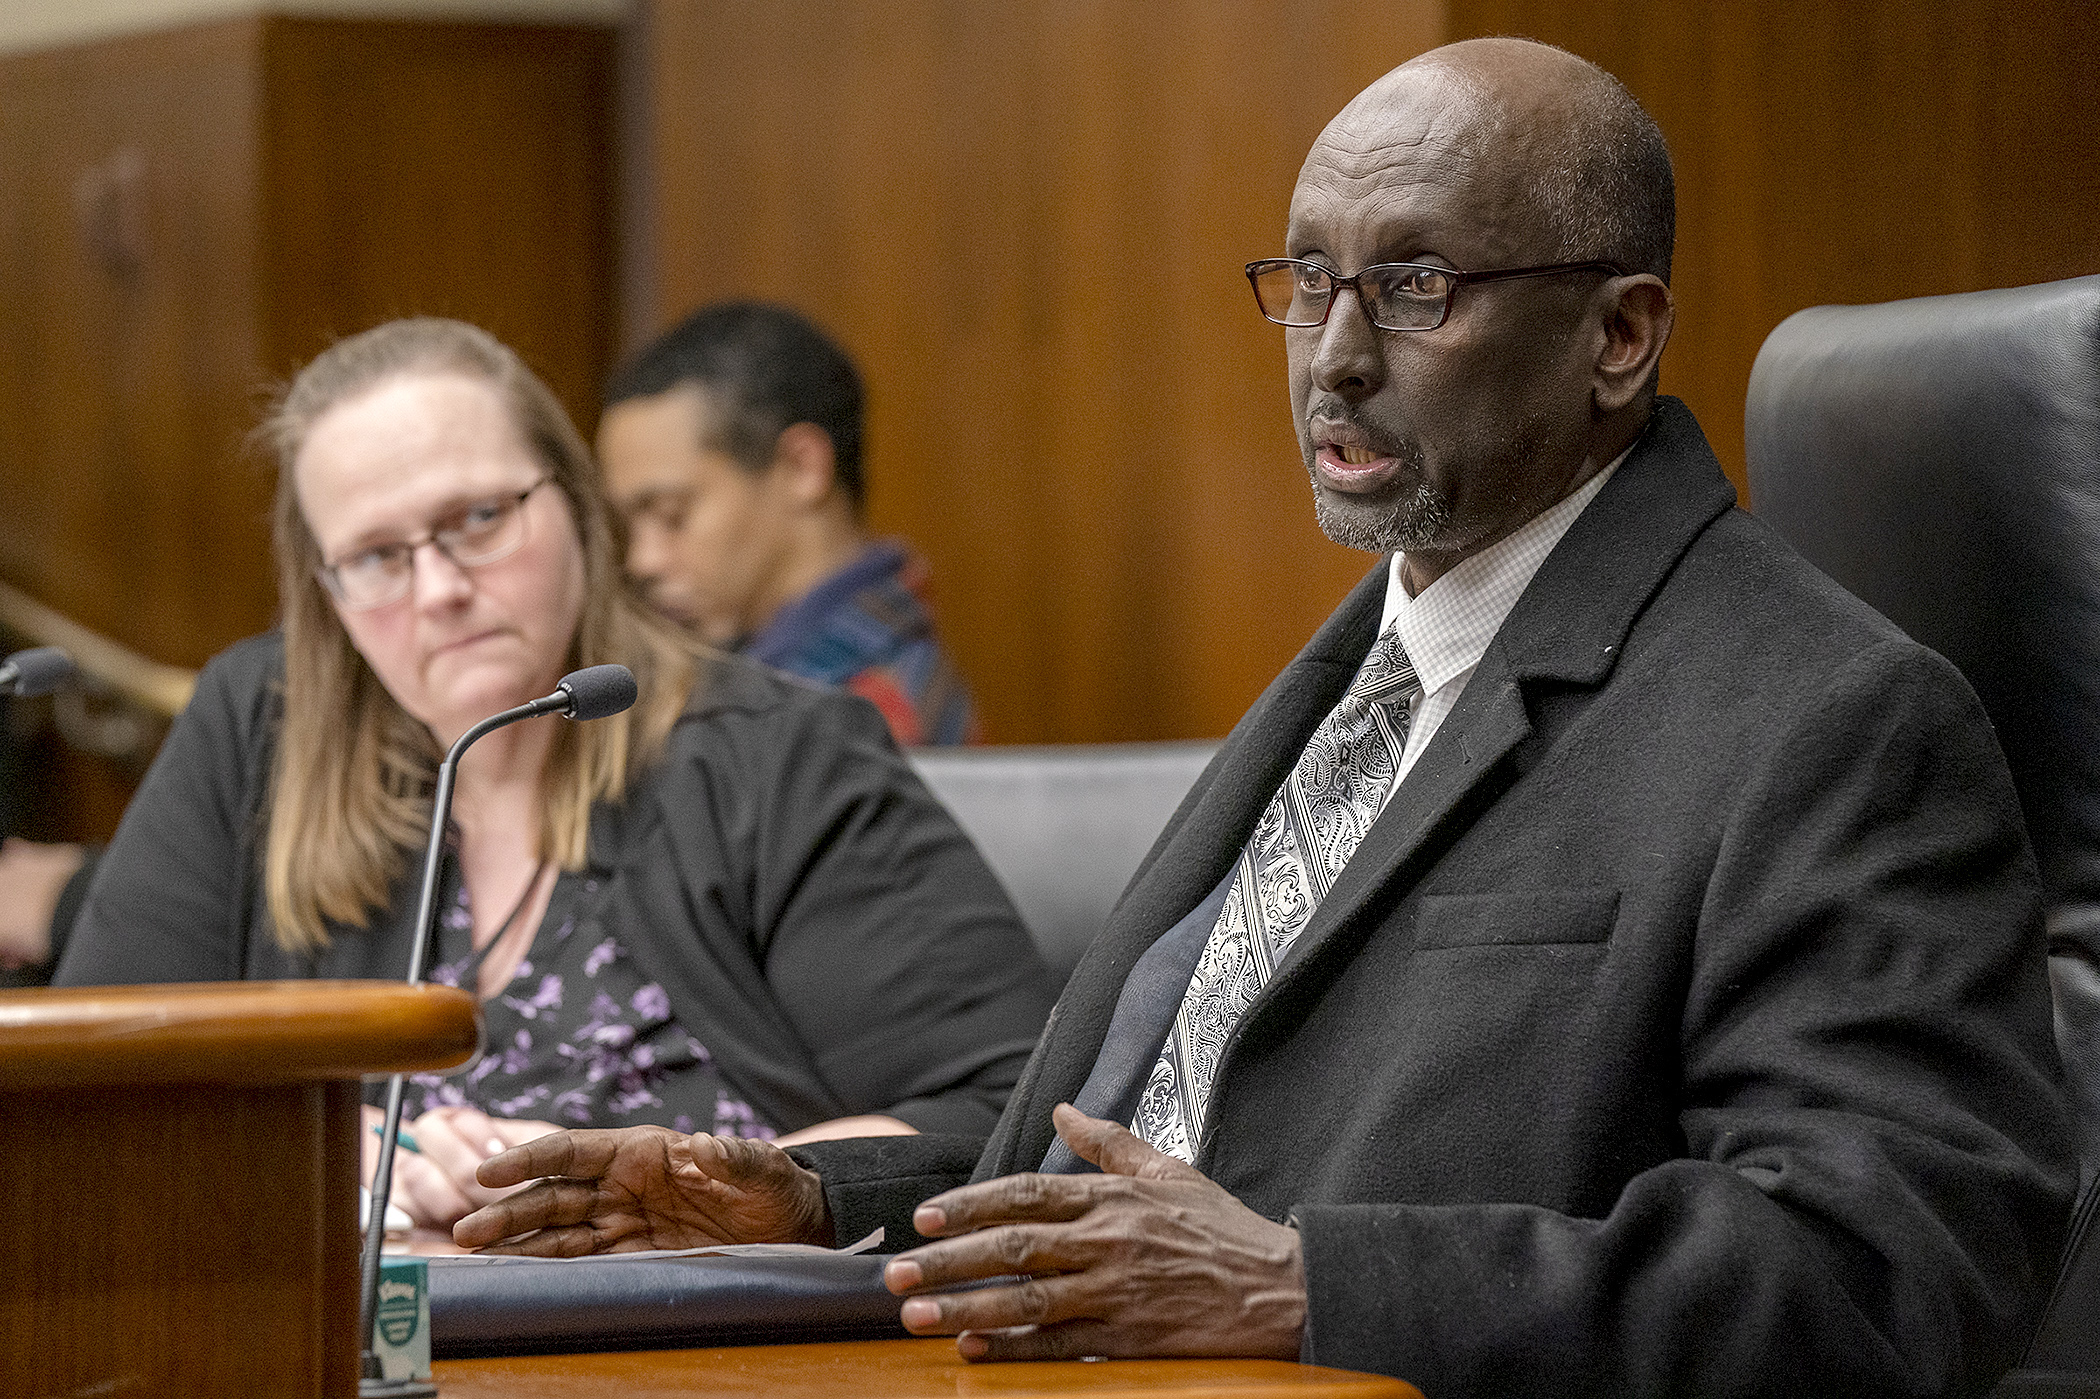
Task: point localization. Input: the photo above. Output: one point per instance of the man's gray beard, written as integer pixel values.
(1416, 521)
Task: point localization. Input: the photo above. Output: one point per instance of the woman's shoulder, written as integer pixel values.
(252, 661)
(243, 684)
(763, 734)
(731, 690)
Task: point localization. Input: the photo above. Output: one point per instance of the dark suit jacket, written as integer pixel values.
(1681, 1027)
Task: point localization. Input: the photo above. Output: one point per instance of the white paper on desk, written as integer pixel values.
(670, 1255)
(397, 1219)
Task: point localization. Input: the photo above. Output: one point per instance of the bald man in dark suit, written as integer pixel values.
(1607, 961)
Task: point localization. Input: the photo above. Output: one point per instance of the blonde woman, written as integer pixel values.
(731, 909)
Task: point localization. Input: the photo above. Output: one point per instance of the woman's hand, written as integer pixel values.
(618, 1191)
(32, 877)
(435, 1182)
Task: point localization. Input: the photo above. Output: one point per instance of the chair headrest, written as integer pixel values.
(1940, 458)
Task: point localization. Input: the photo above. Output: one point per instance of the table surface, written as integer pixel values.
(908, 1369)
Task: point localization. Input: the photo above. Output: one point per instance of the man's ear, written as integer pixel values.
(807, 463)
(1638, 315)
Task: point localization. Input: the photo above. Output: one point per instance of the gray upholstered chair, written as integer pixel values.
(1063, 825)
(1941, 458)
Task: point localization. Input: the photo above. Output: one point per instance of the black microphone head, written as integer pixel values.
(37, 672)
(598, 692)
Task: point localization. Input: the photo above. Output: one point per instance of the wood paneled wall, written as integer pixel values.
(187, 216)
(1027, 221)
(433, 169)
(128, 341)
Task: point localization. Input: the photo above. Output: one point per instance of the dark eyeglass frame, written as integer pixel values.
(331, 579)
(1336, 281)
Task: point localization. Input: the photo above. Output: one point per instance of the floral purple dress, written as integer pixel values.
(579, 1037)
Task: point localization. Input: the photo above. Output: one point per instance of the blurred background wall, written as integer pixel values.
(1027, 221)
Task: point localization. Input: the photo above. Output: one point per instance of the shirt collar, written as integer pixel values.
(778, 642)
(1446, 628)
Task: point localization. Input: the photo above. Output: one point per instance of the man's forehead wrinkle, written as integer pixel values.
(1378, 128)
(1442, 155)
(1372, 195)
(1430, 160)
(1411, 145)
(1406, 107)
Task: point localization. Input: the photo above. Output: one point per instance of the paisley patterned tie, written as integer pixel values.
(1307, 833)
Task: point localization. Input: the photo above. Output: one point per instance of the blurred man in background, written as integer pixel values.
(733, 447)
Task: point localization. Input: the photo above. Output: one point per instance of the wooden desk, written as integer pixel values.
(182, 1179)
(918, 1369)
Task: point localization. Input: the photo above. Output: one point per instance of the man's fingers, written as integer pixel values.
(1067, 1340)
(739, 1162)
(1032, 1302)
(585, 1154)
(1114, 1149)
(1015, 1199)
(552, 1204)
(572, 1242)
(1006, 1251)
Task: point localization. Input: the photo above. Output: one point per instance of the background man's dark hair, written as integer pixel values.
(762, 369)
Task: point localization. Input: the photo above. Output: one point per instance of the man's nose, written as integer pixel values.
(437, 580)
(1350, 360)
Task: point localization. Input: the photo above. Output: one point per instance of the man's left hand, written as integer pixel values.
(1150, 1258)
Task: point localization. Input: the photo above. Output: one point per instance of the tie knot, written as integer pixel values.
(1388, 676)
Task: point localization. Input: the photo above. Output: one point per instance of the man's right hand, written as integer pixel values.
(633, 1188)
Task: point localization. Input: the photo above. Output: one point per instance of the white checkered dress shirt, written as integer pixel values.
(1446, 630)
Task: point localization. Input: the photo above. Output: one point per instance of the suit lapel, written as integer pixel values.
(1186, 865)
(1259, 755)
(1489, 721)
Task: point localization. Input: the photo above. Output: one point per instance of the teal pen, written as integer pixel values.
(403, 1139)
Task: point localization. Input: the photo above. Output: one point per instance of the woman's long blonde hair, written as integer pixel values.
(351, 782)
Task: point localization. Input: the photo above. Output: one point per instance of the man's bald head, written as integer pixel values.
(1491, 156)
(1592, 165)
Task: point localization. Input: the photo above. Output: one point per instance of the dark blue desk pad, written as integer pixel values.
(548, 1307)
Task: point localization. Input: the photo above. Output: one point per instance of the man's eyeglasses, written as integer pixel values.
(1395, 295)
(472, 537)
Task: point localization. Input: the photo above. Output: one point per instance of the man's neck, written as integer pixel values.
(1421, 567)
(821, 546)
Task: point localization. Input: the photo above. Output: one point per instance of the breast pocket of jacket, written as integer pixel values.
(1533, 918)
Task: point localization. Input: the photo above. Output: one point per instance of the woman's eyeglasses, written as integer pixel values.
(473, 536)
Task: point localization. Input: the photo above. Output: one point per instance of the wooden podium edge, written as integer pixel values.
(244, 1032)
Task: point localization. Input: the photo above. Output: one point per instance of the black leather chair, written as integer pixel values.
(1941, 458)
(1063, 825)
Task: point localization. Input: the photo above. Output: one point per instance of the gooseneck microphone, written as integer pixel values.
(595, 692)
(35, 672)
